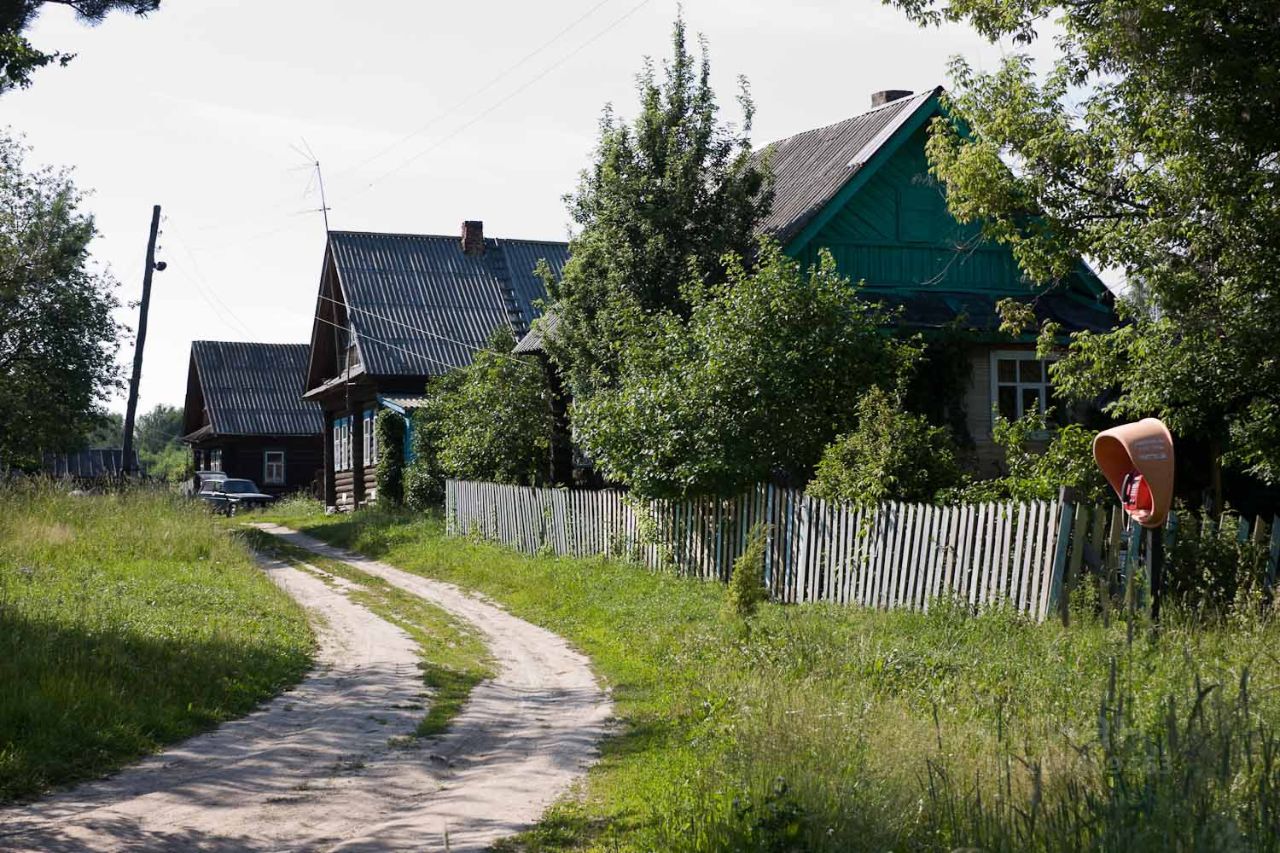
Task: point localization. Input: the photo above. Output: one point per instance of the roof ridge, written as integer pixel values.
(454, 237)
(896, 102)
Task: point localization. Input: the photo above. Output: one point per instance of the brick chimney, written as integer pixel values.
(473, 237)
(879, 99)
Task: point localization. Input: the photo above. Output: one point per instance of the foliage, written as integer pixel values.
(171, 464)
(158, 428)
(1209, 568)
(851, 707)
(746, 591)
(106, 430)
(423, 477)
(1039, 462)
(389, 429)
(764, 373)
(492, 419)
(57, 336)
(127, 621)
(891, 455)
(19, 59)
(667, 197)
(1153, 147)
(937, 386)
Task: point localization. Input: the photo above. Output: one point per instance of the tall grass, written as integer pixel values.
(831, 728)
(126, 622)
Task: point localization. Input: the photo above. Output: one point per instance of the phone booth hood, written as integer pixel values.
(1137, 460)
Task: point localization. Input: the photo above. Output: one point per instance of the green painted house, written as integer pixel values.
(861, 189)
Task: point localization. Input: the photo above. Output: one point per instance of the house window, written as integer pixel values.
(342, 444)
(1020, 384)
(215, 460)
(273, 468)
(370, 440)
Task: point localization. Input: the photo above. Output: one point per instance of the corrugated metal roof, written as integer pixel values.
(811, 167)
(533, 343)
(404, 401)
(932, 309)
(255, 389)
(92, 463)
(419, 306)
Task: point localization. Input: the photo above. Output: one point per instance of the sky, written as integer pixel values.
(421, 114)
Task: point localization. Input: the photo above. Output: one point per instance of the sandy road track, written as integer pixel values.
(326, 766)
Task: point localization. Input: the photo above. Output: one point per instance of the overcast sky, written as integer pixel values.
(416, 114)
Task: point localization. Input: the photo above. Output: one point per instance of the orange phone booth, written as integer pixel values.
(1137, 460)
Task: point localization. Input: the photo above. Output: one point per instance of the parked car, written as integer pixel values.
(230, 495)
(199, 481)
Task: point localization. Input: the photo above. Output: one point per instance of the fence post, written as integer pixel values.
(1057, 594)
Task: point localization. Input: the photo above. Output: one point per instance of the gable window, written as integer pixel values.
(273, 467)
(370, 447)
(1020, 384)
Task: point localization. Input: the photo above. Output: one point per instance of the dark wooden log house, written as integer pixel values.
(396, 309)
(244, 415)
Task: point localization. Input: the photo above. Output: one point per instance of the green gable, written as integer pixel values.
(887, 224)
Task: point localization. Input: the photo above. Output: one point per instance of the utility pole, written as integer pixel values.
(131, 412)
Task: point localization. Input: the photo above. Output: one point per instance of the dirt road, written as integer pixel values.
(329, 766)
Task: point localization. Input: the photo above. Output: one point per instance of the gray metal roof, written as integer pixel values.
(811, 167)
(254, 389)
(934, 309)
(534, 342)
(419, 306)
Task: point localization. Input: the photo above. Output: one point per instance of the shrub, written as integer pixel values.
(389, 429)
(891, 455)
(423, 479)
(746, 590)
(1040, 462)
(1208, 567)
(492, 419)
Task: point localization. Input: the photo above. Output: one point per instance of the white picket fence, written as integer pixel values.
(889, 555)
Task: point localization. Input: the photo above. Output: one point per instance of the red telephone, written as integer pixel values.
(1135, 494)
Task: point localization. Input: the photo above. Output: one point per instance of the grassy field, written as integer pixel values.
(824, 728)
(454, 657)
(127, 622)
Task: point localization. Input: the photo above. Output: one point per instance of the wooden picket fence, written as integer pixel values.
(889, 555)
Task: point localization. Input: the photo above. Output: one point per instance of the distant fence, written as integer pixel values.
(887, 555)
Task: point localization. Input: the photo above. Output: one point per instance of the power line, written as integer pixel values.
(404, 350)
(530, 82)
(202, 285)
(477, 92)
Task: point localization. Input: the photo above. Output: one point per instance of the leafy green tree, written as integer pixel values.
(423, 479)
(1152, 146)
(892, 454)
(667, 197)
(57, 337)
(19, 59)
(158, 429)
(389, 428)
(492, 419)
(171, 463)
(765, 372)
(107, 430)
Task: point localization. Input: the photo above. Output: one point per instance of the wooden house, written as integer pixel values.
(244, 414)
(395, 310)
(861, 189)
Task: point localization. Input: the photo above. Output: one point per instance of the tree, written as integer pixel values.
(891, 455)
(767, 369)
(106, 430)
(158, 429)
(19, 59)
(666, 199)
(1153, 146)
(58, 340)
(491, 420)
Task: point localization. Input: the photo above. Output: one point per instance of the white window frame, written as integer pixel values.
(342, 444)
(1018, 355)
(370, 438)
(268, 463)
(215, 459)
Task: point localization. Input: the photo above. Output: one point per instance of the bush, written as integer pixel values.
(389, 429)
(1209, 568)
(746, 590)
(423, 479)
(1040, 463)
(492, 419)
(891, 455)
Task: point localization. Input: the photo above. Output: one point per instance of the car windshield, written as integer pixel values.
(239, 487)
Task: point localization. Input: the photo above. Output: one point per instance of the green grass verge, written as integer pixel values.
(127, 622)
(454, 655)
(828, 728)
